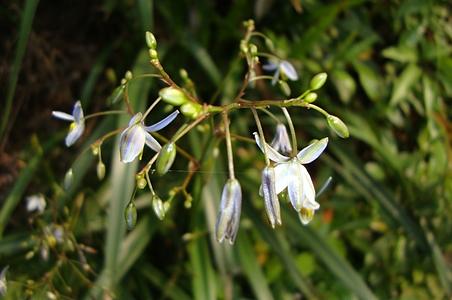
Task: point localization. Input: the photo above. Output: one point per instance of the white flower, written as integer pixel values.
(137, 134)
(229, 213)
(281, 141)
(291, 174)
(3, 283)
(36, 203)
(268, 191)
(78, 123)
(283, 68)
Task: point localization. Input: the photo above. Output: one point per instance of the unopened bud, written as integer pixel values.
(229, 213)
(311, 97)
(100, 169)
(150, 40)
(130, 215)
(284, 87)
(141, 183)
(158, 206)
(68, 179)
(318, 81)
(117, 94)
(166, 158)
(128, 75)
(191, 110)
(153, 54)
(253, 49)
(338, 126)
(173, 96)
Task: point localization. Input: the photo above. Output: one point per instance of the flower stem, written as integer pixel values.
(228, 145)
(261, 134)
(103, 113)
(151, 107)
(292, 131)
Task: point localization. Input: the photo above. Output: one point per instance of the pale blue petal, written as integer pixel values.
(282, 176)
(77, 112)
(74, 133)
(311, 152)
(135, 119)
(272, 153)
(295, 185)
(163, 123)
(152, 143)
(62, 116)
(270, 66)
(289, 70)
(275, 77)
(131, 143)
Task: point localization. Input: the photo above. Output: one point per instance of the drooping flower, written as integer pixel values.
(229, 213)
(271, 200)
(36, 203)
(3, 282)
(281, 141)
(77, 123)
(136, 135)
(281, 68)
(290, 173)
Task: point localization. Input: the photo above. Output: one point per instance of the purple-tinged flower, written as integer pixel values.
(136, 135)
(281, 141)
(281, 68)
(268, 191)
(77, 123)
(229, 213)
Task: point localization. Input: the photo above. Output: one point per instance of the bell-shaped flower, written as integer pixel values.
(281, 141)
(229, 213)
(290, 173)
(281, 68)
(77, 123)
(136, 135)
(36, 203)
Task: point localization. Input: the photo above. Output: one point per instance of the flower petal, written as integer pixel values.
(275, 76)
(163, 123)
(62, 116)
(272, 153)
(270, 197)
(282, 176)
(75, 131)
(135, 119)
(288, 69)
(151, 142)
(311, 152)
(270, 66)
(131, 143)
(77, 112)
(308, 190)
(281, 141)
(295, 185)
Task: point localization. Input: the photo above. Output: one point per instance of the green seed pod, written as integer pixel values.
(284, 87)
(173, 96)
(150, 40)
(158, 206)
(68, 179)
(318, 81)
(100, 169)
(166, 158)
(311, 97)
(338, 126)
(130, 215)
(191, 110)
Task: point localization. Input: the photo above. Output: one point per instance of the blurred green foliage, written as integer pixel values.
(383, 230)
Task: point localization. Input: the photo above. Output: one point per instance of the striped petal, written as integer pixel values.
(77, 112)
(131, 143)
(163, 123)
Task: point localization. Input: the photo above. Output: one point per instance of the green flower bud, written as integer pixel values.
(141, 183)
(183, 74)
(117, 94)
(150, 40)
(100, 169)
(158, 206)
(284, 87)
(173, 96)
(191, 110)
(253, 49)
(311, 97)
(68, 179)
(166, 158)
(153, 54)
(338, 126)
(318, 81)
(130, 215)
(128, 75)
(95, 149)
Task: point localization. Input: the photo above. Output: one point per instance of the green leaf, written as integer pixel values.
(403, 84)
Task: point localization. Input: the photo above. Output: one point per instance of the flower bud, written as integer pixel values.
(253, 49)
(153, 54)
(311, 97)
(68, 179)
(117, 94)
(150, 40)
(166, 158)
(270, 197)
(130, 215)
(284, 87)
(229, 213)
(128, 76)
(100, 169)
(173, 96)
(318, 81)
(191, 110)
(159, 207)
(338, 126)
(281, 141)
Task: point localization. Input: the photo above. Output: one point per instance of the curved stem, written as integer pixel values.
(104, 113)
(261, 135)
(292, 131)
(270, 114)
(151, 107)
(228, 145)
